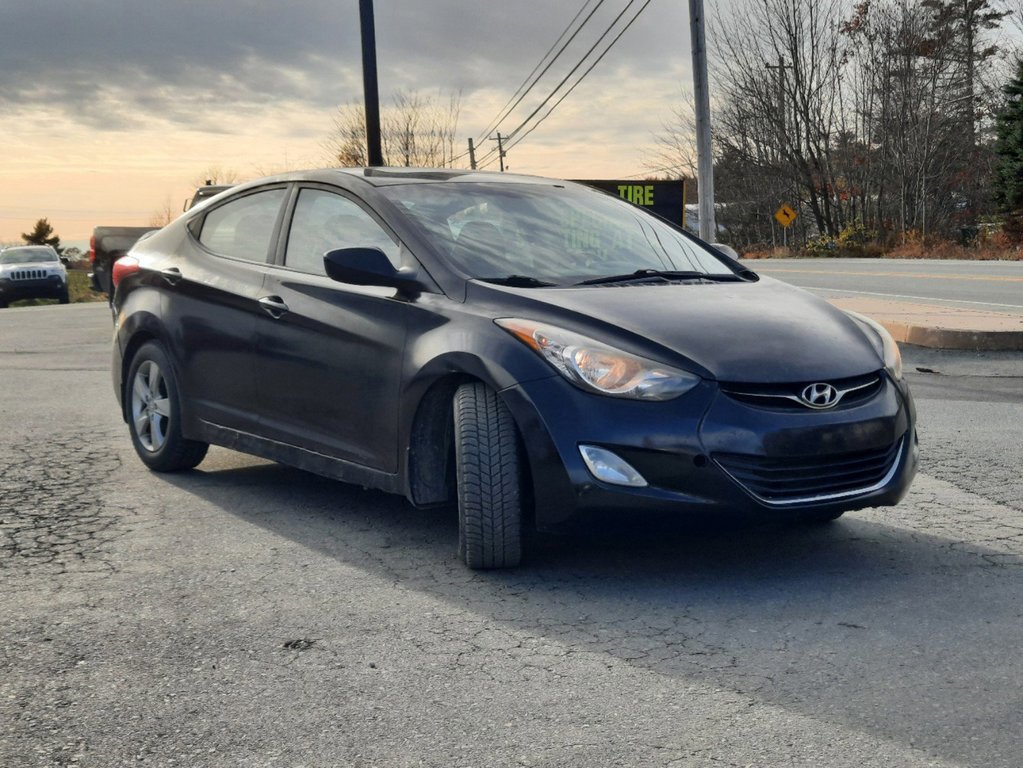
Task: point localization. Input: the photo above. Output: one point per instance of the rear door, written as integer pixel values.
(330, 355)
(212, 302)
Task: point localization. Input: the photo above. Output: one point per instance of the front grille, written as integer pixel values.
(785, 397)
(29, 274)
(802, 479)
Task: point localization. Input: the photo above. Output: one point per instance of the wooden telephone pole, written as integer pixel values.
(704, 154)
(374, 153)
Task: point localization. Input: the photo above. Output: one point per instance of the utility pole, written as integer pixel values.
(500, 149)
(375, 155)
(781, 66)
(701, 91)
(472, 154)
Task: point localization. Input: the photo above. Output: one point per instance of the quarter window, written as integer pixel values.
(324, 221)
(242, 228)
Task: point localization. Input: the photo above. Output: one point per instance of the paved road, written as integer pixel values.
(992, 285)
(249, 614)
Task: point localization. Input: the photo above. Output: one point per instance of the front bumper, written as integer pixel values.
(52, 287)
(706, 453)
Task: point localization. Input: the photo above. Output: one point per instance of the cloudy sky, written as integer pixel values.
(110, 110)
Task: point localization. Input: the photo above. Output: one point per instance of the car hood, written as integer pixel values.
(767, 331)
(32, 265)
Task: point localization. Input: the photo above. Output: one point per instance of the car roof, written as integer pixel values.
(386, 176)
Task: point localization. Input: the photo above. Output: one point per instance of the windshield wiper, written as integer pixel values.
(667, 275)
(518, 281)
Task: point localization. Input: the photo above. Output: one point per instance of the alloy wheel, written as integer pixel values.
(150, 406)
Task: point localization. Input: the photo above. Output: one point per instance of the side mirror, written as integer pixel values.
(65, 261)
(368, 266)
(727, 250)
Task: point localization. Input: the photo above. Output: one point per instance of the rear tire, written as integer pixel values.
(153, 407)
(489, 480)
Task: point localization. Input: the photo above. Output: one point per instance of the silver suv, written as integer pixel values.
(32, 272)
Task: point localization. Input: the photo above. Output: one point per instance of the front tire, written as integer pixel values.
(489, 480)
(154, 413)
(65, 297)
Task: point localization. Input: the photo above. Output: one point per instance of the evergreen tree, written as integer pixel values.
(1008, 184)
(960, 28)
(42, 235)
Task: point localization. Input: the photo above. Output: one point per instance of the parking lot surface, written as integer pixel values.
(249, 614)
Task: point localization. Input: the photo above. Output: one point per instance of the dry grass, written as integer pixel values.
(78, 291)
(914, 249)
(945, 249)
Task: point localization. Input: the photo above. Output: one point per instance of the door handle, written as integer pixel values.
(274, 306)
(172, 275)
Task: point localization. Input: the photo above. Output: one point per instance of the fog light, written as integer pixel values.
(610, 468)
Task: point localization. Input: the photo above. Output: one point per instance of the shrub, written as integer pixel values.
(855, 241)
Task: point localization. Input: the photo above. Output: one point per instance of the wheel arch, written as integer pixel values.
(138, 329)
(429, 440)
(430, 445)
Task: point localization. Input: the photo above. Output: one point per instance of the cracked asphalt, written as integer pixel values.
(248, 614)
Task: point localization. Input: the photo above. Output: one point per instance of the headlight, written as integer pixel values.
(597, 367)
(890, 350)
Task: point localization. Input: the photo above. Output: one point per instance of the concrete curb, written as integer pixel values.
(945, 338)
(941, 327)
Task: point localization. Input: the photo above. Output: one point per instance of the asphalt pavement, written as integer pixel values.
(248, 614)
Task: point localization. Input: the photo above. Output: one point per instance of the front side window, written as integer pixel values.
(325, 221)
(242, 228)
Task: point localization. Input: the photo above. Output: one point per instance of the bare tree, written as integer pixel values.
(416, 131)
(674, 154)
(217, 174)
(873, 115)
(347, 144)
(920, 116)
(780, 75)
(163, 215)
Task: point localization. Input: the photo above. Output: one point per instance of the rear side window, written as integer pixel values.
(324, 221)
(242, 228)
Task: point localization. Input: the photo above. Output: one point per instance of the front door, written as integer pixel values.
(330, 354)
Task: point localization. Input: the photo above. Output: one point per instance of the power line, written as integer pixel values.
(581, 77)
(513, 141)
(573, 70)
(506, 109)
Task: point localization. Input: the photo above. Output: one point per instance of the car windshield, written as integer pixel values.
(547, 234)
(27, 256)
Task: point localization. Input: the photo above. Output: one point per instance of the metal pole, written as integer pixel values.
(701, 92)
(375, 155)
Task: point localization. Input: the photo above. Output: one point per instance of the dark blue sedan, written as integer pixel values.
(530, 350)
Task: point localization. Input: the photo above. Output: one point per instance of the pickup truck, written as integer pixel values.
(106, 246)
(204, 193)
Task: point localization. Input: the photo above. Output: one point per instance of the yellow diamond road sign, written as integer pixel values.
(785, 215)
